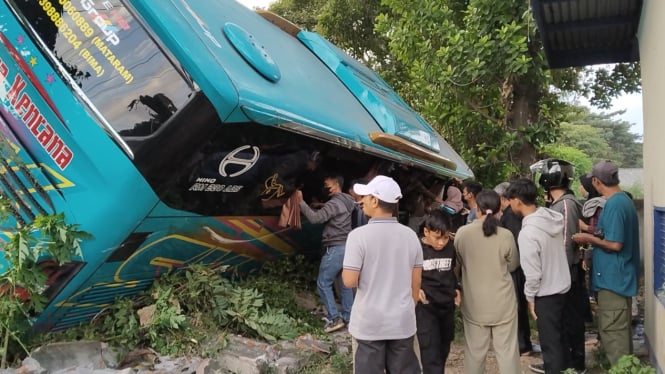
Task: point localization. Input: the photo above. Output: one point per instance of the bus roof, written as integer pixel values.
(251, 69)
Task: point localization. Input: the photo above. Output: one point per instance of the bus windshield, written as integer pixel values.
(101, 48)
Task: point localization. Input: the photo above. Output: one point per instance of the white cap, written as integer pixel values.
(382, 187)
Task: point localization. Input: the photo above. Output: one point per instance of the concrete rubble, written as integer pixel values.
(241, 356)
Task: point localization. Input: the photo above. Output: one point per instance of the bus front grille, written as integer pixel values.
(26, 198)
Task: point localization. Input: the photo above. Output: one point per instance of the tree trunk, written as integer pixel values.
(522, 113)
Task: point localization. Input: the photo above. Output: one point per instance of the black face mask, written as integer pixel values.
(326, 191)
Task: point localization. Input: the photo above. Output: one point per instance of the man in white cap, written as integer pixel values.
(616, 261)
(384, 261)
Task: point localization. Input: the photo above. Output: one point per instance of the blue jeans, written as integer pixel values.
(329, 270)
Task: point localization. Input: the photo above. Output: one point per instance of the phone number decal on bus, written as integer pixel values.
(69, 34)
(24, 107)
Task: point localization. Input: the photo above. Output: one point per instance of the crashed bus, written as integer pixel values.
(172, 131)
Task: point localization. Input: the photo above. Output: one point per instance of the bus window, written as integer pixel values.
(110, 56)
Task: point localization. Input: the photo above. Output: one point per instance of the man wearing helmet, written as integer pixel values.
(555, 176)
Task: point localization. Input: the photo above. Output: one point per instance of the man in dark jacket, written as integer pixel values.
(555, 177)
(336, 214)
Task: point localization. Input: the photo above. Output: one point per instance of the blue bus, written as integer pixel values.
(173, 130)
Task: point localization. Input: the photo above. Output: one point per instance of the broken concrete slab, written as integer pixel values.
(240, 356)
(30, 366)
(248, 356)
(59, 356)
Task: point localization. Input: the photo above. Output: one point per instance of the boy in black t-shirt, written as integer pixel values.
(439, 293)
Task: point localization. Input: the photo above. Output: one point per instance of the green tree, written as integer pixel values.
(23, 280)
(349, 24)
(358, 37)
(586, 138)
(601, 136)
(303, 13)
(482, 78)
(626, 147)
(474, 69)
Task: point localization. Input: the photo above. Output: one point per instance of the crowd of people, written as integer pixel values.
(495, 254)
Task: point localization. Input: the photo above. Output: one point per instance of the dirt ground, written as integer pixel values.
(455, 363)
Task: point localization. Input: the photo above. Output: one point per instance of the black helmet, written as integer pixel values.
(554, 173)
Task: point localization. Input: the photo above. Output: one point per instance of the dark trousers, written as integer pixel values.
(436, 330)
(549, 310)
(523, 328)
(393, 356)
(577, 303)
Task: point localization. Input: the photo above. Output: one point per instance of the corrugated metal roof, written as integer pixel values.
(588, 32)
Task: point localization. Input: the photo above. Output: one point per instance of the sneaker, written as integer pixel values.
(334, 325)
(535, 348)
(537, 368)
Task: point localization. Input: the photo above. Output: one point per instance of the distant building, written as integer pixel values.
(630, 177)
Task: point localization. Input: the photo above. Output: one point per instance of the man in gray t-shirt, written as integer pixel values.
(384, 260)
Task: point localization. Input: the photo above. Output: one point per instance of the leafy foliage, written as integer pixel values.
(122, 322)
(298, 271)
(337, 363)
(303, 13)
(480, 78)
(630, 364)
(627, 364)
(601, 136)
(585, 138)
(602, 84)
(21, 285)
(474, 69)
(282, 282)
(359, 38)
(635, 190)
(185, 312)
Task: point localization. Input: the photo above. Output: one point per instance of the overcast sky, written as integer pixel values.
(631, 103)
(256, 3)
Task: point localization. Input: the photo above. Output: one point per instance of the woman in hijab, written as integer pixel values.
(454, 200)
(453, 205)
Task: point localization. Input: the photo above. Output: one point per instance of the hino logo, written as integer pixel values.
(245, 163)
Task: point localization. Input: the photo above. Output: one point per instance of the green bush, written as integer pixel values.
(630, 364)
(190, 311)
(282, 281)
(22, 283)
(187, 311)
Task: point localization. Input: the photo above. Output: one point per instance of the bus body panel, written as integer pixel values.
(183, 134)
(302, 94)
(163, 244)
(87, 185)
